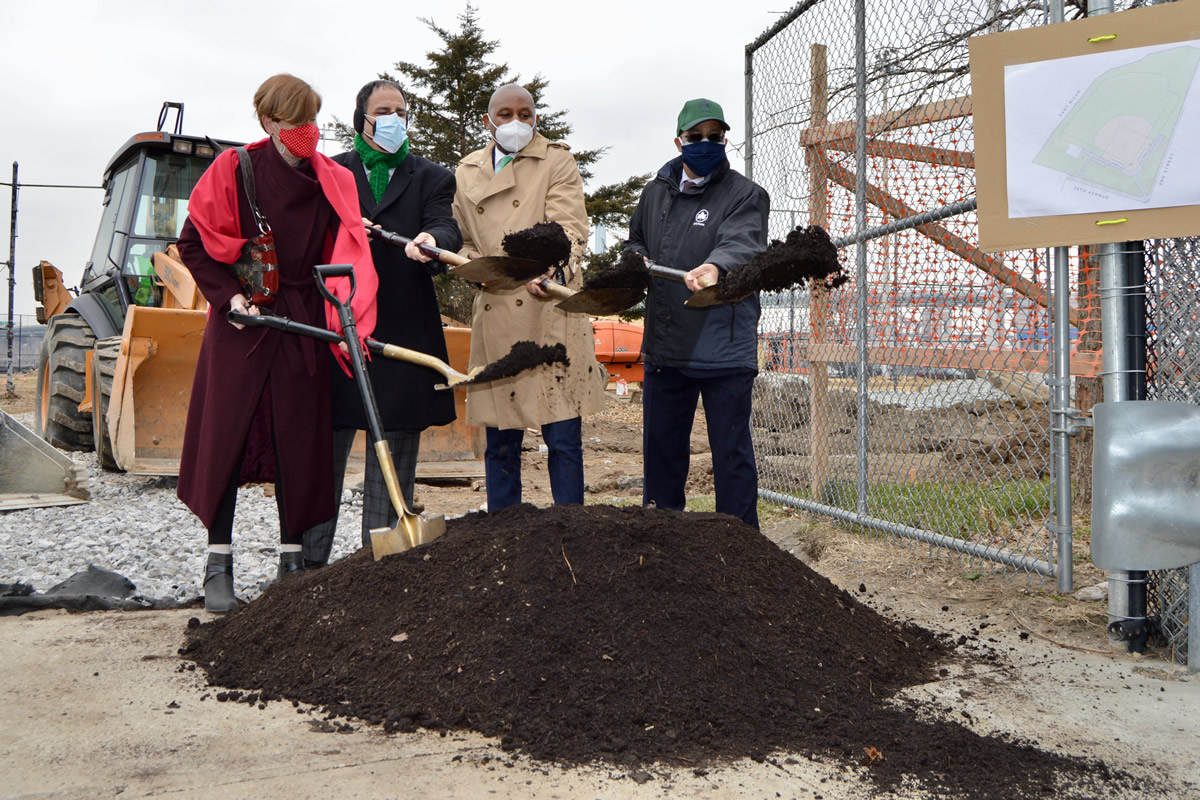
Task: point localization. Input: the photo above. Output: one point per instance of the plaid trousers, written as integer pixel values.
(377, 506)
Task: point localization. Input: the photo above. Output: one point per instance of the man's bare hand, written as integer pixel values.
(702, 276)
(534, 285)
(413, 250)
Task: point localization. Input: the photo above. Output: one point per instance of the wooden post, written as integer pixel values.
(819, 421)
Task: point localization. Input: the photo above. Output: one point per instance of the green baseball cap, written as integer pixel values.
(699, 110)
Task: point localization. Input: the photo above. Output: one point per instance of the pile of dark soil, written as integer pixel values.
(546, 242)
(523, 355)
(628, 635)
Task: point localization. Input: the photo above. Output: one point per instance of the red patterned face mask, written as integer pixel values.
(301, 142)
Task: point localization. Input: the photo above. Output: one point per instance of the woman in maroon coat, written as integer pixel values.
(260, 404)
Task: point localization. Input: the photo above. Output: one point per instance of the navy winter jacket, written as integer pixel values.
(722, 222)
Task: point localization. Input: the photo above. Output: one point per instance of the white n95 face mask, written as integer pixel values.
(513, 136)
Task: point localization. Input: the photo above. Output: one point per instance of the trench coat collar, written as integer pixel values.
(491, 182)
(400, 181)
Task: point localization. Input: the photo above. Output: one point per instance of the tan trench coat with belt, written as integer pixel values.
(541, 184)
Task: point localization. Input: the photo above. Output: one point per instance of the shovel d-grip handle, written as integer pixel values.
(350, 337)
(323, 271)
(445, 256)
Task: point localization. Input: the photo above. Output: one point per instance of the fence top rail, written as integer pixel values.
(780, 24)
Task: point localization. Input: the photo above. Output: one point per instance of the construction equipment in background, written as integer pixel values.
(117, 361)
(33, 474)
(619, 349)
(116, 364)
(454, 450)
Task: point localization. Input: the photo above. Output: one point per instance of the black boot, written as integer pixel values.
(218, 584)
(290, 562)
(314, 564)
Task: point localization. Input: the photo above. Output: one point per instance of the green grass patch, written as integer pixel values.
(962, 509)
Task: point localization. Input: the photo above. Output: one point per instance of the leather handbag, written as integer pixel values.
(257, 267)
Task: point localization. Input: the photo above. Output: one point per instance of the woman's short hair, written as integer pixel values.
(286, 98)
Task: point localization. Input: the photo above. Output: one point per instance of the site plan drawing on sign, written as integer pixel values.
(1104, 132)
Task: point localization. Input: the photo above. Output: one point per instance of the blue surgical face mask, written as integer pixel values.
(390, 132)
(704, 157)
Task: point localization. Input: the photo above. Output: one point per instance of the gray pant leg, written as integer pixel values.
(318, 540)
(377, 505)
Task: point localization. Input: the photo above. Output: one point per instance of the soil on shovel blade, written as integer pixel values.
(546, 242)
(806, 255)
(628, 273)
(625, 635)
(523, 355)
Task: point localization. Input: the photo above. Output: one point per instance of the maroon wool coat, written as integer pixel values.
(281, 377)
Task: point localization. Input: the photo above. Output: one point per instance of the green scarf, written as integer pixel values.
(378, 163)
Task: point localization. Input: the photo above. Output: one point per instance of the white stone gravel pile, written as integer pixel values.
(136, 526)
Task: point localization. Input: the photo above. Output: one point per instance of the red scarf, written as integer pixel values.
(213, 209)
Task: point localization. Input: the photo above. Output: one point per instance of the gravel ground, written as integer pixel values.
(940, 394)
(136, 526)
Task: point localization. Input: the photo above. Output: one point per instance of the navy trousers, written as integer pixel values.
(502, 463)
(669, 398)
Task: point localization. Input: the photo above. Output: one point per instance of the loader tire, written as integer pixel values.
(62, 370)
(104, 362)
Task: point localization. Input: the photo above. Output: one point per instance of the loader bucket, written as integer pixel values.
(454, 450)
(34, 474)
(151, 385)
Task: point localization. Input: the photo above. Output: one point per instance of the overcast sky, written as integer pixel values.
(81, 77)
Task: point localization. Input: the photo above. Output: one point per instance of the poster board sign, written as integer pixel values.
(1089, 131)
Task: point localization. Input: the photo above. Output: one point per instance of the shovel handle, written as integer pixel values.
(672, 274)
(556, 290)
(265, 319)
(445, 256)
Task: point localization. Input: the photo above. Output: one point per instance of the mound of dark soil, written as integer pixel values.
(631, 635)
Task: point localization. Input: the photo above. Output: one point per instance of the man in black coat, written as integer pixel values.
(700, 215)
(411, 196)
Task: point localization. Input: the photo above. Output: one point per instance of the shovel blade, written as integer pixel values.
(601, 302)
(412, 531)
(494, 268)
(708, 296)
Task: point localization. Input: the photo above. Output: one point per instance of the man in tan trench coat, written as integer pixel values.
(518, 180)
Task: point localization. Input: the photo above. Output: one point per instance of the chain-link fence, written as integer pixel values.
(915, 399)
(26, 340)
(1173, 373)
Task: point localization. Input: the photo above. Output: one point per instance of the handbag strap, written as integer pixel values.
(248, 183)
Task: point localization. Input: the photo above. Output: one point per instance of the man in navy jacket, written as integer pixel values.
(699, 215)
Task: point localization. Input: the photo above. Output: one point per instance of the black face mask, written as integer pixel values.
(704, 157)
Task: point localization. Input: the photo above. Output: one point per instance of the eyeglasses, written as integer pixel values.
(691, 137)
(402, 113)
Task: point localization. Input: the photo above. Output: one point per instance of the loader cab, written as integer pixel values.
(146, 190)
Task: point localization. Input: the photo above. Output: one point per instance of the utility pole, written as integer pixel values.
(10, 390)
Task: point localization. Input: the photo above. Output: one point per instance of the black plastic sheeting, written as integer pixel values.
(93, 589)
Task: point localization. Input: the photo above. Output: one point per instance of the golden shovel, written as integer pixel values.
(412, 529)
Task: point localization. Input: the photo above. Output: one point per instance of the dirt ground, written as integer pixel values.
(101, 705)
